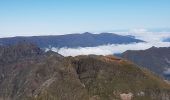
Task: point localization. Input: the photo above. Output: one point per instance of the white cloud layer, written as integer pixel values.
(148, 36)
(151, 38)
(108, 49)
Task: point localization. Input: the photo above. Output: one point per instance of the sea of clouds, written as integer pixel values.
(151, 38)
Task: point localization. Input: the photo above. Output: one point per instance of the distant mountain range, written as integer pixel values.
(73, 40)
(28, 73)
(155, 59)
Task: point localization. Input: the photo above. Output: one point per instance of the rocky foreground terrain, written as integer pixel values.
(28, 73)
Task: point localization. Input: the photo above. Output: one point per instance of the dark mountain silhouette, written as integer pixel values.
(155, 59)
(72, 40)
(28, 73)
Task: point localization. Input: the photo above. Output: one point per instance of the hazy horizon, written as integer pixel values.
(54, 17)
(147, 20)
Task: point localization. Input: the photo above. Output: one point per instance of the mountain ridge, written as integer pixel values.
(49, 75)
(72, 40)
(154, 59)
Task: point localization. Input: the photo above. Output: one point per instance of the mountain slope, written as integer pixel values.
(50, 76)
(72, 40)
(155, 59)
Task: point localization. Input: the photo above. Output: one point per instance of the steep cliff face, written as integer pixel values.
(50, 76)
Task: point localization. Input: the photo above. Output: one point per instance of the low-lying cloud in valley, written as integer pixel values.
(151, 38)
(108, 49)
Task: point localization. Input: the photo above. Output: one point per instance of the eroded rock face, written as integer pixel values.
(50, 76)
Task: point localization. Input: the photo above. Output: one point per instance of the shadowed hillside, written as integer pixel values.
(155, 59)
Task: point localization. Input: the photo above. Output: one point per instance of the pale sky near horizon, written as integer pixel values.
(52, 17)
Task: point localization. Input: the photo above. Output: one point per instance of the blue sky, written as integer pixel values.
(45, 17)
